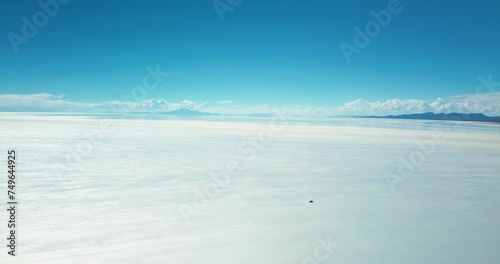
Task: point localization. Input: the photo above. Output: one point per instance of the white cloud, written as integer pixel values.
(263, 107)
(192, 105)
(143, 105)
(393, 106)
(486, 103)
(39, 101)
(225, 102)
(153, 105)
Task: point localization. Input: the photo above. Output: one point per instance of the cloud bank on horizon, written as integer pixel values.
(485, 103)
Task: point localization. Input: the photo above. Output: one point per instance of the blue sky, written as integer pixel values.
(280, 53)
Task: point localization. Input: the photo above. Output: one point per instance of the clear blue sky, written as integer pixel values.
(278, 52)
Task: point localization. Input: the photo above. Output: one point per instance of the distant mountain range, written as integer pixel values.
(442, 116)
